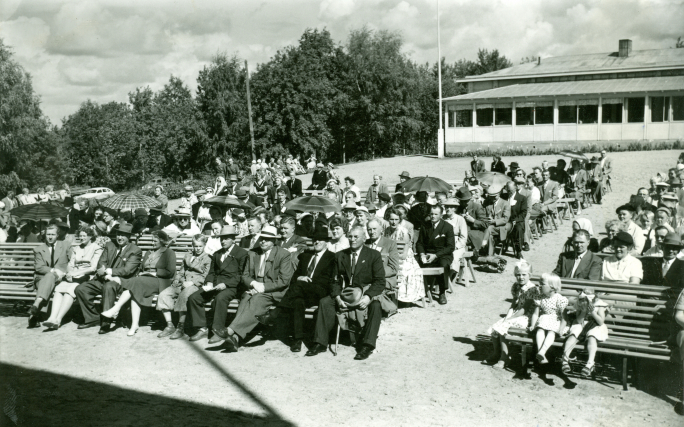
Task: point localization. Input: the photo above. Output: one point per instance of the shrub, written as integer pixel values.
(10, 182)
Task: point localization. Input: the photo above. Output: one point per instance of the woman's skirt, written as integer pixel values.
(599, 332)
(411, 287)
(502, 326)
(67, 288)
(143, 289)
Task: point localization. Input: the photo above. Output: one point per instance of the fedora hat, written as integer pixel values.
(405, 174)
(624, 238)
(157, 208)
(240, 193)
(183, 213)
(451, 202)
(227, 230)
(371, 206)
(362, 208)
(671, 239)
(463, 194)
(350, 205)
(351, 296)
(268, 232)
(124, 228)
(514, 165)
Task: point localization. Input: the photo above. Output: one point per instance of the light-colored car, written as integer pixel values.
(98, 193)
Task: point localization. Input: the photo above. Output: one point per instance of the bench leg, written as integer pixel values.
(523, 357)
(624, 374)
(472, 272)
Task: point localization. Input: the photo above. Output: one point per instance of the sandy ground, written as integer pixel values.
(426, 370)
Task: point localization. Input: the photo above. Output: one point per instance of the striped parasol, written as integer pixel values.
(37, 212)
(313, 204)
(227, 202)
(129, 201)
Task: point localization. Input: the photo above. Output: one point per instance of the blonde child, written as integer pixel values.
(547, 316)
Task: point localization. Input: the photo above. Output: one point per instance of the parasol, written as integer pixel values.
(574, 155)
(227, 201)
(313, 204)
(37, 212)
(494, 180)
(425, 183)
(129, 201)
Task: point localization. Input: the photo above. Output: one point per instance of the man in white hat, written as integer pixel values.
(267, 278)
(189, 200)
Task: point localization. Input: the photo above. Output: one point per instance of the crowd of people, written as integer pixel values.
(357, 265)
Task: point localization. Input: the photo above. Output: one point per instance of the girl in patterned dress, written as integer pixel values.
(524, 293)
(547, 316)
(587, 323)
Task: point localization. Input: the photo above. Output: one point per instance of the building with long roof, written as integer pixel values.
(626, 95)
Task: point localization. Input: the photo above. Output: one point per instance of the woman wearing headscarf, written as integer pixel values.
(582, 224)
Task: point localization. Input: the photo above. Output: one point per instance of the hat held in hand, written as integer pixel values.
(352, 296)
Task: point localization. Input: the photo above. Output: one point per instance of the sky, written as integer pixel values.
(102, 49)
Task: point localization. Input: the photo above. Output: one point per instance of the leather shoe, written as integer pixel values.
(180, 333)
(202, 333)
(88, 325)
(33, 311)
(265, 319)
(215, 339)
(296, 346)
(232, 343)
(105, 328)
(363, 353)
(316, 349)
(442, 299)
(167, 332)
(222, 333)
(526, 247)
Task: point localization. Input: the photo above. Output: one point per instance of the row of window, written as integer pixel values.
(583, 112)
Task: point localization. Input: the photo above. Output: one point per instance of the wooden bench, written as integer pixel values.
(565, 205)
(636, 312)
(17, 269)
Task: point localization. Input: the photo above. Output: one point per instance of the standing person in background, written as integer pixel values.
(161, 198)
(405, 176)
(514, 170)
(378, 187)
(498, 165)
(477, 165)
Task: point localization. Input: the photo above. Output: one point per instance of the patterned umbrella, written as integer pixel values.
(130, 201)
(227, 202)
(37, 212)
(574, 155)
(313, 204)
(425, 183)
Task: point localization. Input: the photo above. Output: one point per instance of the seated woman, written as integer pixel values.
(547, 316)
(213, 242)
(158, 269)
(524, 293)
(332, 191)
(460, 231)
(53, 196)
(188, 281)
(613, 226)
(586, 323)
(410, 285)
(338, 240)
(582, 224)
(622, 266)
(82, 263)
(41, 197)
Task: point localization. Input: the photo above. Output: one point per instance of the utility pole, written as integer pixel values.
(440, 132)
(249, 111)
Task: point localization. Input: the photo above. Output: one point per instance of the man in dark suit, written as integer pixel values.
(477, 165)
(357, 267)
(579, 263)
(251, 240)
(672, 267)
(221, 285)
(311, 281)
(294, 185)
(117, 260)
(405, 176)
(158, 219)
(51, 259)
(516, 223)
(435, 248)
(278, 207)
(266, 277)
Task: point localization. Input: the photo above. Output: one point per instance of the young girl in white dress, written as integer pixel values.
(586, 323)
(524, 293)
(548, 314)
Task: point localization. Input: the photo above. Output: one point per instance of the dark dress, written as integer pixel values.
(144, 288)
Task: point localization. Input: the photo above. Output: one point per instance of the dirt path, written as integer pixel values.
(426, 370)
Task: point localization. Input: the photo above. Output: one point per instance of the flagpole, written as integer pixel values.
(440, 132)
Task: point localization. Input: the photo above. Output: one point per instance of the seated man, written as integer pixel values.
(388, 249)
(672, 267)
(580, 263)
(221, 285)
(405, 176)
(294, 184)
(183, 224)
(498, 213)
(157, 219)
(657, 250)
(117, 260)
(278, 207)
(435, 248)
(291, 242)
(266, 277)
(360, 268)
(51, 259)
(549, 193)
(310, 282)
(251, 241)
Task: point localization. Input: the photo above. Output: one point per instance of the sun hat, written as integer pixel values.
(668, 196)
(227, 230)
(183, 213)
(268, 232)
(405, 174)
(624, 238)
(362, 208)
(351, 296)
(451, 202)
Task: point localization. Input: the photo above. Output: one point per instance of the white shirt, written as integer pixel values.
(227, 252)
(262, 264)
(577, 263)
(213, 245)
(638, 235)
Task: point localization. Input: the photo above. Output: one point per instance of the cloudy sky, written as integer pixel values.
(101, 49)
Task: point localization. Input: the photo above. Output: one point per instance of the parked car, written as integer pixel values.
(156, 181)
(98, 193)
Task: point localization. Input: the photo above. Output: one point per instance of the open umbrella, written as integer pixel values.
(494, 180)
(130, 201)
(313, 204)
(37, 212)
(425, 183)
(227, 202)
(574, 155)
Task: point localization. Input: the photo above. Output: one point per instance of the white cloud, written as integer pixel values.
(335, 9)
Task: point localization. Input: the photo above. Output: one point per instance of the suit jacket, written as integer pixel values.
(498, 167)
(589, 267)
(369, 271)
(231, 270)
(500, 213)
(273, 196)
(390, 259)
(194, 270)
(438, 240)
(549, 192)
(165, 267)
(478, 166)
(675, 275)
(418, 215)
(372, 196)
(277, 272)
(295, 187)
(519, 209)
(42, 258)
(246, 242)
(476, 210)
(126, 265)
(295, 245)
(323, 274)
(277, 209)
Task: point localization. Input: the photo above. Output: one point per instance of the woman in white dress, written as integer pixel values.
(460, 231)
(411, 287)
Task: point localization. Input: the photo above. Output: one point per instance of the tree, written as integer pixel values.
(490, 61)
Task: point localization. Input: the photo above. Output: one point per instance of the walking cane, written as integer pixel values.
(337, 338)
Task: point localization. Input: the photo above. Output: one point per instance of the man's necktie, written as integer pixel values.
(262, 267)
(312, 267)
(353, 262)
(52, 256)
